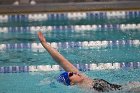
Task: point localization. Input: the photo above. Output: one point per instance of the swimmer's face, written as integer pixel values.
(75, 78)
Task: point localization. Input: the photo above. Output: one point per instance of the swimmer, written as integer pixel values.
(72, 76)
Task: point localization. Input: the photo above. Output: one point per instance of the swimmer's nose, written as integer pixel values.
(78, 74)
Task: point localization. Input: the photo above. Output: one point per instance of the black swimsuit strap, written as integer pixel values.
(104, 86)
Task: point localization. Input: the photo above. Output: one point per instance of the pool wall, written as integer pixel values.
(67, 7)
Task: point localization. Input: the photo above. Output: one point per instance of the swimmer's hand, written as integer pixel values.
(41, 37)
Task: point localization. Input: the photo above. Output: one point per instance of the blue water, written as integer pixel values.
(17, 49)
(42, 82)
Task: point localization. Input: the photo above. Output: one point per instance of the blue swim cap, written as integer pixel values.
(64, 78)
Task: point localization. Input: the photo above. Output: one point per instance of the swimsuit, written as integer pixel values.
(101, 85)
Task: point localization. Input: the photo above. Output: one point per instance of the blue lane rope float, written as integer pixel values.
(71, 28)
(81, 67)
(82, 44)
(69, 16)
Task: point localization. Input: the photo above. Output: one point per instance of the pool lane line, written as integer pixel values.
(80, 66)
(37, 47)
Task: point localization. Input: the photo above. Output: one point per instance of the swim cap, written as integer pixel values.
(64, 78)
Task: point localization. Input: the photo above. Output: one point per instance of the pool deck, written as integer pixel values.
(70, 7)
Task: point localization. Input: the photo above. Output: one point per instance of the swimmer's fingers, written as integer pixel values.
(41, 37)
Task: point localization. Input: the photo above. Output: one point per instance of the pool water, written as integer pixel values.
(100, 44)
(42, 82)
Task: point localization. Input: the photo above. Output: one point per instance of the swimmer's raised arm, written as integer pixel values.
(63, 62)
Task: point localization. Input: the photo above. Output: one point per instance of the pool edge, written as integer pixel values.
(70, 7)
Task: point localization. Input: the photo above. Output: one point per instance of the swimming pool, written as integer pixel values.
(102, 44)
